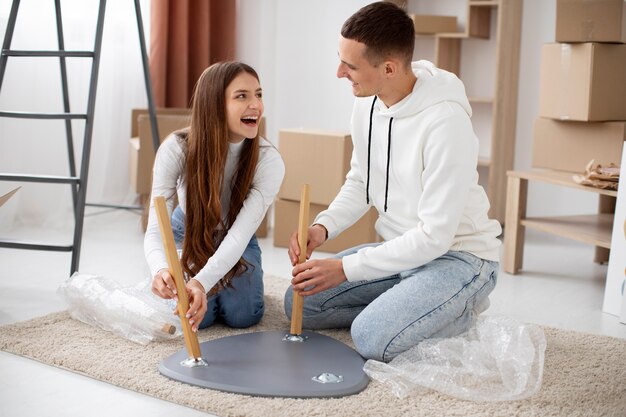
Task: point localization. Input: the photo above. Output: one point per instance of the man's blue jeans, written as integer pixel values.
(242, 304)
(389, 315)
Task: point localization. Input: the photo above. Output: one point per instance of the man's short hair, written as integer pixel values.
(385, 29)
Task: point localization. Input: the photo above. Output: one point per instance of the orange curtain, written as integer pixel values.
(186, 36)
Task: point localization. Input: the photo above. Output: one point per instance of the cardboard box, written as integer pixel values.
(569, 146)
(286, 215)
(431, 24)
(591, 21)
(318, 158)
(584, 81)
(263, 227)
(172, 111)
(167, 124)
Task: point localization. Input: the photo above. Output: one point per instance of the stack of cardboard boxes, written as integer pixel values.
(582, 117)
(582, 105)
(322, 160)
(141, 158)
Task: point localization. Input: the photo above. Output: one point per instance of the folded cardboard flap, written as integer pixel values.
(7, 196)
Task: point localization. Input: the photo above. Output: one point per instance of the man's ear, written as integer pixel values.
(390, 68)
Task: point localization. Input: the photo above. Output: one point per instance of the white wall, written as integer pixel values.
(293, 44)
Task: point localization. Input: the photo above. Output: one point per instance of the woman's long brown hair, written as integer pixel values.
(207, 149)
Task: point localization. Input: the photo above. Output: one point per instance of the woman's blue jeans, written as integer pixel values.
(242, 304)
(388, 316)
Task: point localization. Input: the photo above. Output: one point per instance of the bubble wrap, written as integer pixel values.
(498, 359)
(131, 312)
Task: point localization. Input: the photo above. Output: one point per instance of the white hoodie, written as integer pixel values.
(434, 203)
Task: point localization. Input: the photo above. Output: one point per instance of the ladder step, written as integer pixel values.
(54, 179)
(16, 244)
(69, 54)
(24, 115)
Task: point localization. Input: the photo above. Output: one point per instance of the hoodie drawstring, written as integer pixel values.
(388, 160)
(369, 151)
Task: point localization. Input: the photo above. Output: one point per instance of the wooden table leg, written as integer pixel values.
(191, 338)
(516, 197)
(606, 204)
(303, 226)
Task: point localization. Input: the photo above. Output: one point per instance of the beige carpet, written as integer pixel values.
(584, 375)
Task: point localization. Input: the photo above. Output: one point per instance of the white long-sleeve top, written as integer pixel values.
(169, 178)
(434, 202)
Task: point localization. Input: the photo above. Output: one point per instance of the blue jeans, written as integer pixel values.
(389, 315)
(242, 304)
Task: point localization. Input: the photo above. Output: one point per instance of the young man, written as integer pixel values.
(414, 159)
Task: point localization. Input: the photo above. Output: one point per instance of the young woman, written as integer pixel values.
(225, 177)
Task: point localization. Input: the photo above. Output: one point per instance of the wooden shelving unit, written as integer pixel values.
(594, 229)
(502, 102)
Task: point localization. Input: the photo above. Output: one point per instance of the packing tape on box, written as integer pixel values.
(565, 80)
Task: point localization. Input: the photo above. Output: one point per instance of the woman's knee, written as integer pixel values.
(211, 314)
(242, 318)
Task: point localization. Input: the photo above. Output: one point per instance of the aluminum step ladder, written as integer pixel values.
(76, 180)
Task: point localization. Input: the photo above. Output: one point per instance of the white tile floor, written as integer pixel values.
(560, 287)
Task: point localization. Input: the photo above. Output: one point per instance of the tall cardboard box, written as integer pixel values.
(286, 213)
(315, 157)
(569, 146)
(591, 21)
(584, 81)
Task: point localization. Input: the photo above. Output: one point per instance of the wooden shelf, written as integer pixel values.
(452, 35)
(562, 178)
(594, 229)
(449, 35)
(483, 3)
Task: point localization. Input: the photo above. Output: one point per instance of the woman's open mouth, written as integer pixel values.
(250, 120)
